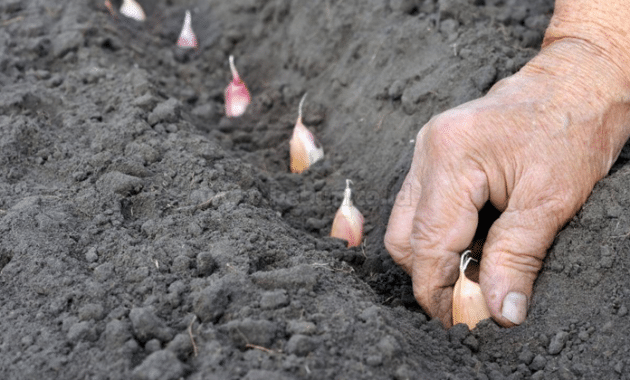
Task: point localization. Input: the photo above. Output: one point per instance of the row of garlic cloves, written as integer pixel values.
(304, 152)
(237, 96)
(133, 10)
(304, 148)
(469, 305)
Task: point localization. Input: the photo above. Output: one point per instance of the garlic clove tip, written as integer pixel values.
(133, 10)
(187, 38)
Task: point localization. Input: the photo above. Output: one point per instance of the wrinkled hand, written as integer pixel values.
(534, 147)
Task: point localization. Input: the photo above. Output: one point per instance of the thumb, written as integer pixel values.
(513, 254)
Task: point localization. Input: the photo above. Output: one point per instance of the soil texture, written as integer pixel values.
(144, 235)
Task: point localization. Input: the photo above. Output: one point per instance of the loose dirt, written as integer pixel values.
(144, 235)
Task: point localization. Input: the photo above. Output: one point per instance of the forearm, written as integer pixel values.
(585, 58)
(602, 24)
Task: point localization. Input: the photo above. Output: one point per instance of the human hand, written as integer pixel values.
(534, 147)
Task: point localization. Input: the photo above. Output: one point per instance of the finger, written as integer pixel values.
(514, 250)
(401, 220)
(398, 234)
(444, 225)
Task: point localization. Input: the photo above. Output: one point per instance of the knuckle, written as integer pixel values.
(453, 124)
(560, 209)
(448, 133)
(561, 202)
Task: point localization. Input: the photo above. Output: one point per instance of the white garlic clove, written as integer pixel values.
(469, 304)
(131, 9)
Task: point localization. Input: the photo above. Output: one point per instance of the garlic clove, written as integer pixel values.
(132, 9)
(237, 96)
(304, 150)
(348, 222)
(187, 38)
(469, 304)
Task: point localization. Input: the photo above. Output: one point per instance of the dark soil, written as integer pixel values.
(144, 235)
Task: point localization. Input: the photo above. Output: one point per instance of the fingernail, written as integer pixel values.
(515, 307)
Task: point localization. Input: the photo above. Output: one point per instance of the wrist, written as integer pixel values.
(599, 29)
(583, 67)
(589, 91)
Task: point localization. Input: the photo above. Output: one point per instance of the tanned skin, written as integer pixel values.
(534, 147)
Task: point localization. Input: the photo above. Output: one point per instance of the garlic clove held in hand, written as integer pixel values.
(237, 96)
(469, 304)
(131, 9)
(303, 147)
(187, 38)
(348, 222)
